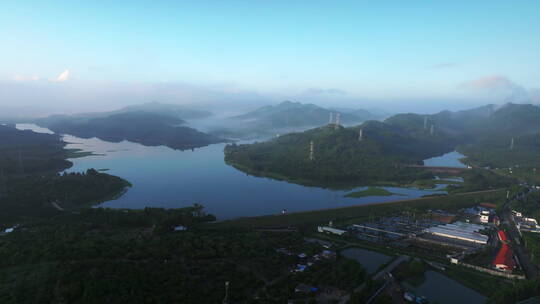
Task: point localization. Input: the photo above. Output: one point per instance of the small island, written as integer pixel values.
(370, 191)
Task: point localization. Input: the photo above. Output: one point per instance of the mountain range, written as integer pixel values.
(386, 148)
(146, 128)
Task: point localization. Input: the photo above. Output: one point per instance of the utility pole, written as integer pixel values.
(360, 135)
(311, 156)
(226, 299)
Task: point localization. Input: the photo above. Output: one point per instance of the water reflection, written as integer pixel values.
(370, 260)
(163, 177)
(441, 289)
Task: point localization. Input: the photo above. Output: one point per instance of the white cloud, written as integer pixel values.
(25, 78)
(499, 86)
(64, 76)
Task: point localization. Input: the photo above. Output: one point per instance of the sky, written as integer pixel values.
(401, 55)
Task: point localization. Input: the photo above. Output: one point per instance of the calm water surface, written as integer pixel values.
(441, 289)
(370, 260)
(451, 159)
(163, 177)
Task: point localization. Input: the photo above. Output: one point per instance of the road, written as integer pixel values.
(55, 205)
(530, 269)
(389, 268)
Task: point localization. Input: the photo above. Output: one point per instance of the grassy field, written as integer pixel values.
(526, 174)
(450, 202)
(532, 241)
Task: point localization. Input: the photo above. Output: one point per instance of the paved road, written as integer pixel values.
(530, 269)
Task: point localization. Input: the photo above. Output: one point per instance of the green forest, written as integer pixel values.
(147, 128)
(384, 154)
(31, 197)
(27, 152)
(118, 256)
(388, 150)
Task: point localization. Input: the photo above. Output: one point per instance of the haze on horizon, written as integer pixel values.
(64, 57)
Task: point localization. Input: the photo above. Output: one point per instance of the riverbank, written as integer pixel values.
(450, 202)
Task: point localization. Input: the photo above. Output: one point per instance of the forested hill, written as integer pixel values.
(142, 127)
(27, 152)
(485, 134)
(177, 111)
(296, 114)
(41, 196)
(384, 154)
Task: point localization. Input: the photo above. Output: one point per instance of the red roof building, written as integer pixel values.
(502, 236)
(505, 258)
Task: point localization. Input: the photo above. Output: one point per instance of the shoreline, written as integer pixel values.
(333, 213)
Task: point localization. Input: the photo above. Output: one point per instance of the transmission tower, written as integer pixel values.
(226, 299)
(337, 120)
(311, 157)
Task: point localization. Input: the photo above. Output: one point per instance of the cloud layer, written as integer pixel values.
(64, 76)
(502, 88)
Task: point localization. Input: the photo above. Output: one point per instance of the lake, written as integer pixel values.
(451, 159)
(163, 177)
(370, 260)
(437, 287)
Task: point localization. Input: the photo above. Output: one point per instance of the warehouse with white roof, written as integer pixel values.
(460, 231)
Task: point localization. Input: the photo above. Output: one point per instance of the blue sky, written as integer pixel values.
(320, 50)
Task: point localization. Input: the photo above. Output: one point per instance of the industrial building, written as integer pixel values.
(460, 231)
(484, 216)
(505, 258)
(331, 230)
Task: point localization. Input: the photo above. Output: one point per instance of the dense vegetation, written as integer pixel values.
(521, 290)
(26, 152)
(386, 153)
(30, 197)
(388, 148)
(146, 128)
(479, 179)
(119, 256)
(529, 205)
